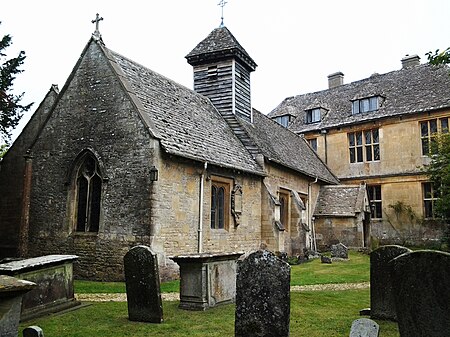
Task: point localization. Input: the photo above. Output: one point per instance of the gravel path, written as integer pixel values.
(176, 296)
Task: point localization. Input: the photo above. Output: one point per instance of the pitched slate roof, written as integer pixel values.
(284, 147)
(341, 200)
(407, 91)
(187, 123)
(219, 43)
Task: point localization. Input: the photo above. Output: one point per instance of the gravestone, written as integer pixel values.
(325, 259)
(33, 331)
(382, 304)
(143, 285)
(364, 327)
(339, 251)
(262, 296)
(421, 285)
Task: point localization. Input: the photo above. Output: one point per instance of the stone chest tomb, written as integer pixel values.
(207, 279)
(53, 275)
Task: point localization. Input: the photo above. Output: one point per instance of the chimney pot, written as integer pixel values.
(335, 80)
(410, 61)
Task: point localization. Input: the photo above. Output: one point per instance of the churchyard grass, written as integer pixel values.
(355, 270)
(90, 287)
(313, 314)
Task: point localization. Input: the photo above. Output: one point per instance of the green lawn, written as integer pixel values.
(313, 314)
(356, 269)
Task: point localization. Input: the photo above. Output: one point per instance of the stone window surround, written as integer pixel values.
(313, 143)
(429, 198)
(428, 130)
(71, 183)
(364, 145)
(225, 184)
(375, 200)
(284, 198)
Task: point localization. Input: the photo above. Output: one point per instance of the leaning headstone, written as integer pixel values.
(382, 304)
(339, 251)
(421, 284)
(364, 327)
(33, 331)
(262, 296)
(143, 285)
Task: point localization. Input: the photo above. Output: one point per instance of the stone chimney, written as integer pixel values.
(335, 80)
(410, 61)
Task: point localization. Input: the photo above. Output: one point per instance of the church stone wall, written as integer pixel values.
(93, 113)
(12, 179)
(176, 217)
(294, 238)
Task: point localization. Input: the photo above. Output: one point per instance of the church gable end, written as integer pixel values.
(93, 112)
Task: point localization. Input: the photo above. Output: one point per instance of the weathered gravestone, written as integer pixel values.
(364, 327)
(421, 284)
(382, 303)
(33, 331)
(142, 285)
(339, 251)
(262, 296)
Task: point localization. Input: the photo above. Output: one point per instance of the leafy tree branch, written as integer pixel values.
(11, 109)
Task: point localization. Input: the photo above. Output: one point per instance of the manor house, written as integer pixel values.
(380, 131)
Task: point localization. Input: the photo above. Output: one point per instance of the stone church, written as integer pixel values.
(122, 156)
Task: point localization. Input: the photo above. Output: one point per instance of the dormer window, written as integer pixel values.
(365, 105)
(283, 120)
(313, 115)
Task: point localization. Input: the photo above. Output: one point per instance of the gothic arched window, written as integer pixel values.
(88, 191)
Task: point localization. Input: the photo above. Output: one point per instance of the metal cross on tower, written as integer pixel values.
(97, 34)
(222, 4)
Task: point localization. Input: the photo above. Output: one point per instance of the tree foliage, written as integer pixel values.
(439, 168)
(439, 173)
(11, 110)
(439, 57)
(3, 149)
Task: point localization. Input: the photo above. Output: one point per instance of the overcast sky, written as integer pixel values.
(296, 43)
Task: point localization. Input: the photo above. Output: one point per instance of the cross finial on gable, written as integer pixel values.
(222, 4)
(96, 33)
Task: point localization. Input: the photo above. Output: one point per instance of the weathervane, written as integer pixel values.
(97, 34)
(222, 4)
